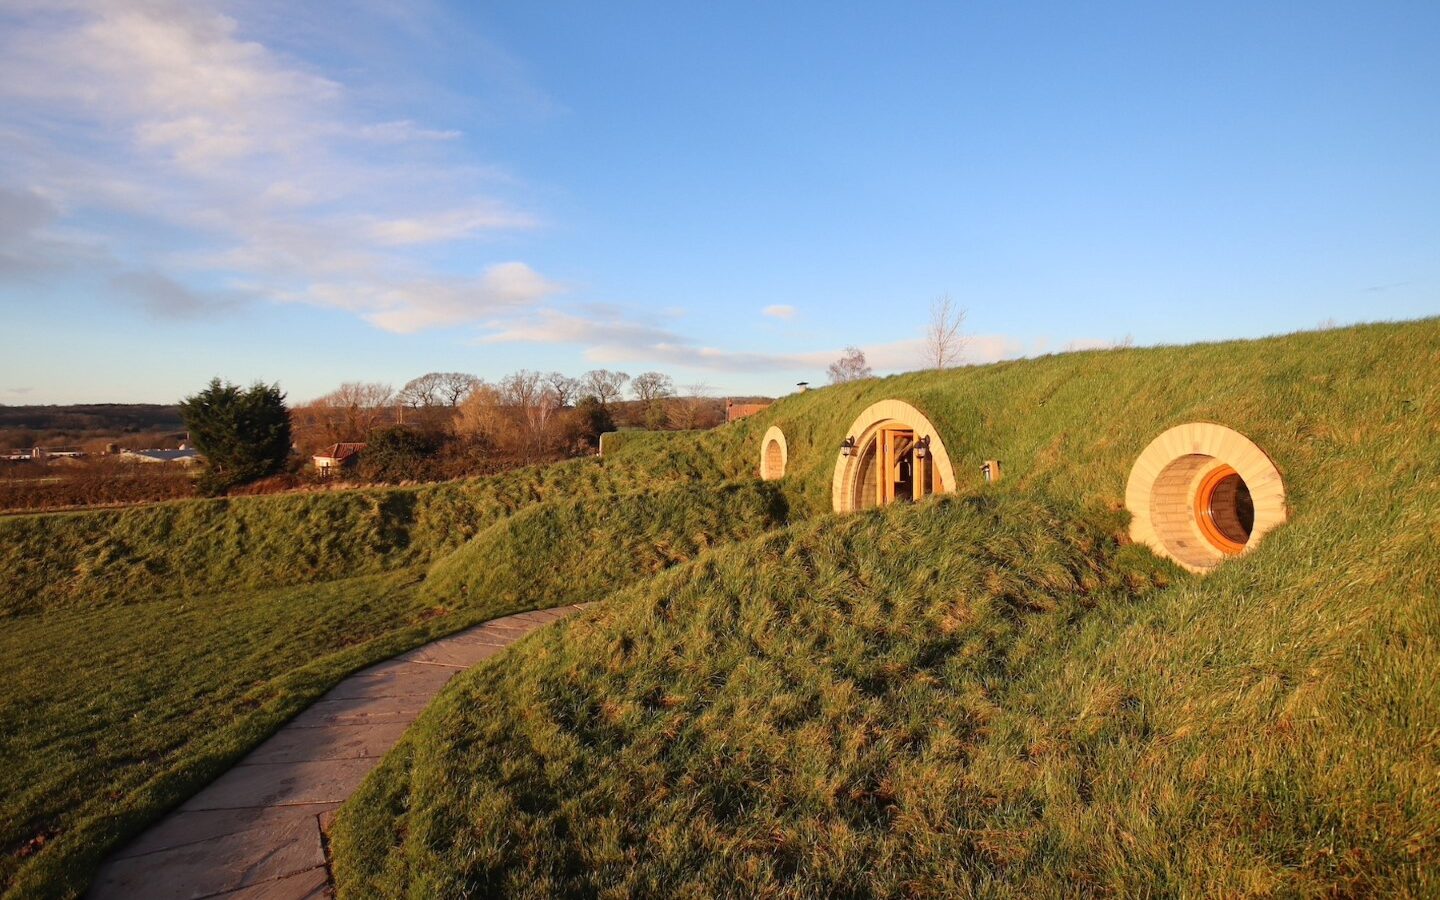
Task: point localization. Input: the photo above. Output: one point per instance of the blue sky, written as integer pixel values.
(731, 193)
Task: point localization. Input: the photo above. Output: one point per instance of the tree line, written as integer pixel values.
(444, 424)
(438, 425)
(527, 414)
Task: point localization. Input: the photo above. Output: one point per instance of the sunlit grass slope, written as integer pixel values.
(985, 693)
(120, 704)
(1354, 404)
(580, 549)
(803, 709)
(90, 558)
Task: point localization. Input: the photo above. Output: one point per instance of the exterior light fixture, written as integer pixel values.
(922, 447)
(990, 471)
(848, 447)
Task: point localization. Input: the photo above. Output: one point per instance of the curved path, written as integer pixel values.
(257, 831)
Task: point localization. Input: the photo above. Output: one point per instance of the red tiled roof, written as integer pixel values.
(340, 452)
(735, 411)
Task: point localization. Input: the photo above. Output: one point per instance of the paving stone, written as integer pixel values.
(276, 784)
(458, 654)
(506, 626)
(391, 679)
(361, 711)
(189, 827)
(499, 638)
(538, 617)
(223, 863)
(332, 742)
(312, 883)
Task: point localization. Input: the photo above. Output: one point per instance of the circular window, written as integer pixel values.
(1202, 493)
(1225, 510)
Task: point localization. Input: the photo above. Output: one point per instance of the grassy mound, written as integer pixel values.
(1346, 404)
(1270, 728)
(117, 711)
(574, 551)
(106, 556)
(799, 711)
(968, 696)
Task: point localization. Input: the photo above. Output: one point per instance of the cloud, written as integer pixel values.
(446, 225)
(409, 306)
(779, 311)
(129, 125)
(32, 247)
(166, 298)
(610, 336)
(405, 130)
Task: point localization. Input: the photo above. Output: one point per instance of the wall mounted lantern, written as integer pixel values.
(922, 447)
(848, 447)
(990, 471)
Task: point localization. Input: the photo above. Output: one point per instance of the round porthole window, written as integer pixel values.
(1201, 493)
(1225, 510)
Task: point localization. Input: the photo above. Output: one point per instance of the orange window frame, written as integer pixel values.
(1205, 513)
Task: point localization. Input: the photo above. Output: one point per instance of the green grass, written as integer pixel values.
(981, 694)
(975, 695)
(571, 551)
(794, 711)
(117, 710)
(1272, 728)
(111, 714)
(91, 558)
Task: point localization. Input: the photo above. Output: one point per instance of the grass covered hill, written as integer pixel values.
(145, 650)
(96, 557)
(985, 693)
(988, 693)
(1357, 404)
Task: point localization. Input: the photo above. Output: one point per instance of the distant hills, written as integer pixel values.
(22, 426)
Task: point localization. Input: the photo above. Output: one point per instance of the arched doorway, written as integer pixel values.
(774, 454)
(891, 452)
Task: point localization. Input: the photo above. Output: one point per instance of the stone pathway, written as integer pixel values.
(255, 832)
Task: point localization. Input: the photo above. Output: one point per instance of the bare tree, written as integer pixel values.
(652, 386)
(850, 367)
(652, 389)
(688, 412)
(944, 341)
(456, 386)
(437, 389)
(421, 393)
(481, 418)
(604, 385)
(563, 387)
(353, 410)
(534, 405)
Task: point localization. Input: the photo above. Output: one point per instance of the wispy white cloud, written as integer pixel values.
(403, 130)
(780, 311)
(249, 166)
(414, 305)
(609, 335)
